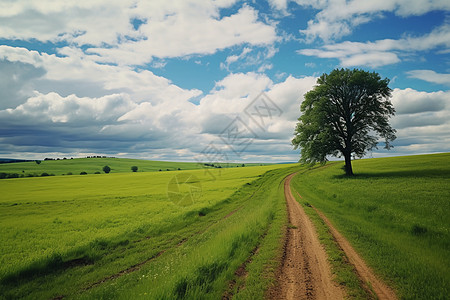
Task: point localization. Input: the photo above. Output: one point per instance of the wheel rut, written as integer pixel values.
(305, 272)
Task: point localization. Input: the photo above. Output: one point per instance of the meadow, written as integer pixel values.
(91, 165)
(396, 214)
(65, 235)
(123, 236)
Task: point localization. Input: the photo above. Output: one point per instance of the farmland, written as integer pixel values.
(122, 236)
(60, 235)
(92, 165)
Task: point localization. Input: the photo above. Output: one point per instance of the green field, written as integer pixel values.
(120, 236)
(92, 165)
(59, 235)
(395, 212)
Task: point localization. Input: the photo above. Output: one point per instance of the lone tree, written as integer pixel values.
(343, 115)
(106, 169)
(134, 168)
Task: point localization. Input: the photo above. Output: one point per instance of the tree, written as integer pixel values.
(134, 168)
(38, 162)
(106, 169)
(343, 115)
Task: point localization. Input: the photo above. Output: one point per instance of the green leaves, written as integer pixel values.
(344, 114)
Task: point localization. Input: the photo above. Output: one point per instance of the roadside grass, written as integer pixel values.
(396, 214)
(345, 274)
(91, 165)
(59, 235)
(203, 267)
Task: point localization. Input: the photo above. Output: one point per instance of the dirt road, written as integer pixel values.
(305, 272)
(382, 290)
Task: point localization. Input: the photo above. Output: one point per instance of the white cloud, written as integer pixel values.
(421, 121)
(180, 35)
(382, 52)
(52, 108)
(136, 111)
(430, 76)
(409, 101)
(169, 28)
(80, 69)
(337, 18)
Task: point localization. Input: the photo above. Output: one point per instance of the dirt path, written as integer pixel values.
(305, 272)
(366, 274)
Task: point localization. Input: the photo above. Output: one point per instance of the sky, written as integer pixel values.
(199, 80)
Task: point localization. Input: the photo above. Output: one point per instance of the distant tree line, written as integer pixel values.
(16, 175)
(49, 158)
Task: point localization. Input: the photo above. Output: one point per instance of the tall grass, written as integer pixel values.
(203, 267)
(58, 235)
(396, 213)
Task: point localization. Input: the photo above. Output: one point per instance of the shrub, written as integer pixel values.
(69, 173)
(83, 173)
(418, 229)
(45, 174)
(134, 168)
(97, 172)
(38, 162)
(106, 169)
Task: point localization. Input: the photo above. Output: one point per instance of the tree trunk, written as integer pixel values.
(348, 164)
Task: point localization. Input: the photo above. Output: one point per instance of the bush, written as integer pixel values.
(69, 173)
(134, 168)
(5, 175)
(106, 169)
(97, 172)
(38, 162)
(83, 173)
(45, 174)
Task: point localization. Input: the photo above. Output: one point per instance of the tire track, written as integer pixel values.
(382, 290)
(305, 272)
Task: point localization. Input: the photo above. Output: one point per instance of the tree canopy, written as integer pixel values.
(345, 114)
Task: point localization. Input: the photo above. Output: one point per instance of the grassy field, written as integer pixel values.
(60, 235)
(92, 165)
(120, 236)
(395, 212)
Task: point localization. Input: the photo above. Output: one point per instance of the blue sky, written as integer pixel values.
(166, 80)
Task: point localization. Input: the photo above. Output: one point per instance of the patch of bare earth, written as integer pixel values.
(305, 272)
(382, 290)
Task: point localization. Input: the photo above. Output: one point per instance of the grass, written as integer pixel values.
(59, 235)
(92, 165)
(344, 273)
(203, 266)
(395, 212)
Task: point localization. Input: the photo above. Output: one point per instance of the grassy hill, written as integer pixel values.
(395, 212)
(92, 165)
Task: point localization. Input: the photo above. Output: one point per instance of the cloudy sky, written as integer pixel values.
(174, 80)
